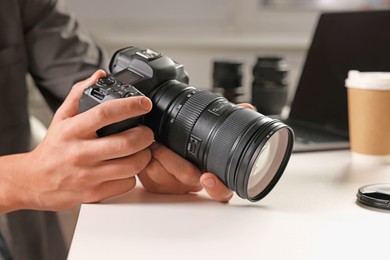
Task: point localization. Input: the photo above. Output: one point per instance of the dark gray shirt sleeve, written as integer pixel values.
(59, 52)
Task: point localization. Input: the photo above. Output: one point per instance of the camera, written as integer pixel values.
(245, 149)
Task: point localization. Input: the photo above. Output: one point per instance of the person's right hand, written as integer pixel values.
(72, 165)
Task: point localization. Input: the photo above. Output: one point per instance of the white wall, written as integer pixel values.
(197, 32)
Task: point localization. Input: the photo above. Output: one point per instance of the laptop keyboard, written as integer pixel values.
(307, 135)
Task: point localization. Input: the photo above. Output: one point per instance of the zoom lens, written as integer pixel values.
(246, 150)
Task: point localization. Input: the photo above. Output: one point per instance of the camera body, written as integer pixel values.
(135, 72)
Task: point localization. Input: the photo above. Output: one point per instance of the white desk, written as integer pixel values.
(310, 214)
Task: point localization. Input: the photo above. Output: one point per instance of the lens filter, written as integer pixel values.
(268, 162)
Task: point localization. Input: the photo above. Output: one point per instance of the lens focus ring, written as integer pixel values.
(185, 120)
(222, 145)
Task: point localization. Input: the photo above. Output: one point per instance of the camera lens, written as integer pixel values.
(227, 78)
(269, 86)
(246, 150)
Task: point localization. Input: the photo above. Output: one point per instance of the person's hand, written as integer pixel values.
(167, 172)
(72, 165)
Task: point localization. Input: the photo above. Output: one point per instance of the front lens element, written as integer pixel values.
(267, 163)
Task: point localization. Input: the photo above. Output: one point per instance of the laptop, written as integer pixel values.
(342, 41)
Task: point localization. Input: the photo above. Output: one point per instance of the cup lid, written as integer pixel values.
(368, 80)
(375, 195)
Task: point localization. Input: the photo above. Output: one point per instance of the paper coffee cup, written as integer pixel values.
(369, 114)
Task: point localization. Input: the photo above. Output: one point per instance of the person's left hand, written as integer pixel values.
(168, 172)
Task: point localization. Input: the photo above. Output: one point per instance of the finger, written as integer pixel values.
(122, 168)
(91, 175)
(119, 145)
(108, 189)
(111, 112)
(247, 105)
(170, 186)
(215, 188)
(70, 106)
(183, 170)
(157, 173)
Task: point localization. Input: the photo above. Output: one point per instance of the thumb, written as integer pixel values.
(215, 188)
(70, 106)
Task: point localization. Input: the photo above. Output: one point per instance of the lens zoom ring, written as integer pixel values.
(185, 120)
(224, 139)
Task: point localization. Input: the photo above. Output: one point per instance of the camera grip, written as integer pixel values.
(109, 88)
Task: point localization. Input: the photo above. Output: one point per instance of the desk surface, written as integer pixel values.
(311, 214)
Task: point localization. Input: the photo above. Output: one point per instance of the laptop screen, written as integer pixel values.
(342, 42)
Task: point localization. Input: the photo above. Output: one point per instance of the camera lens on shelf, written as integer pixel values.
(269, 86)
(227, 79)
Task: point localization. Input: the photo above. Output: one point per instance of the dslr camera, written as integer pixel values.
(245, 149)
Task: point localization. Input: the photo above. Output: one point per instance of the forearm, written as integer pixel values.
(13, 193)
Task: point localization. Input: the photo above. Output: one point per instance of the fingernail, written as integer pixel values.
(145, 103)
(209, 182)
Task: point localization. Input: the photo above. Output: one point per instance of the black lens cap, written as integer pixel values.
(375, 195)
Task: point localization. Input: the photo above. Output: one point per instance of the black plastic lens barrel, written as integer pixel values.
(246, 150)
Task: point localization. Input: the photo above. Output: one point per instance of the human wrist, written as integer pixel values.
(13, 194)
